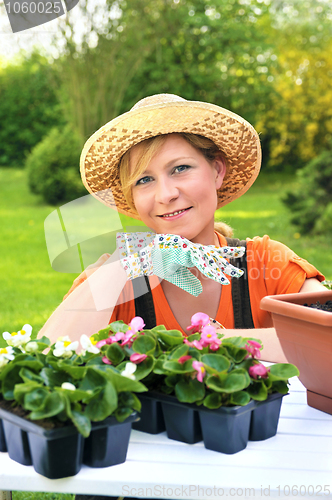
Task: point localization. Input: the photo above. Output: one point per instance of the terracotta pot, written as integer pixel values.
(305, 335)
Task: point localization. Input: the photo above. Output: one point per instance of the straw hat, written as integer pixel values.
(165, 114)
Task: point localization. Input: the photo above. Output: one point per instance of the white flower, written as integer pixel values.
(64, 347)
(68, 386)
(19, 338)
(6, 354)
(31, 347)
(129, 371)
(88, 345)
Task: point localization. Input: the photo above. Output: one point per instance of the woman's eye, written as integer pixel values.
(143, 180)
(181, 168)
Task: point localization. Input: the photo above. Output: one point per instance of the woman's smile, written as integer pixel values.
(171, 216)
(177, 193)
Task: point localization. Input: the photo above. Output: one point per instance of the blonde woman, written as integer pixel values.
(172, 163)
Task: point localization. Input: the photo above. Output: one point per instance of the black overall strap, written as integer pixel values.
(144, 306)
(240, 289)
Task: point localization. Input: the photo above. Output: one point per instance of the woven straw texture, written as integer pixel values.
(165, 114)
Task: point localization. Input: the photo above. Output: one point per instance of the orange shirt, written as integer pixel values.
(272, 269)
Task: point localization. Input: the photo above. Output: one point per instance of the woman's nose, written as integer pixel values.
(166, 191)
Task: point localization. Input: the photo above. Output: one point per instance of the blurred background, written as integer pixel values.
(268, 60)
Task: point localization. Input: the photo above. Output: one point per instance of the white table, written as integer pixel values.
(298, 458)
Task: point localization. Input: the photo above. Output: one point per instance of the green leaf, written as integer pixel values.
(81, 422)
(28, 375)
(22, 389)
(129, 400)
(93, 380)
(172, 380)
(76, 372)
(189, 391)
(53, 378)
(237, 354)
(178, 352)
(214, 363)
(228, 382)
(176, 367)
(118, 326)
(171, 337)
(158, 368)
(144, 345)
(43, 340)
(115, 353)
(35, 400)
(104, 405)
(31, 363)
(279, 386)
(54, 404)
(240, 398)
(144, 368)
(212, 401)
(284, 371)
(10, 380)
(123, 383)
(122, 413)
(257, 390)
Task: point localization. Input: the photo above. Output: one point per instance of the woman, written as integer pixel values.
(171, 163)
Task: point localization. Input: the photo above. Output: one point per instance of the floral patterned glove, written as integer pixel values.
(169, 257)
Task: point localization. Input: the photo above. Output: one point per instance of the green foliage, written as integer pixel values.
(28, 107)
(62, 385)
(222, 377)
(310, 203)
(53, 167)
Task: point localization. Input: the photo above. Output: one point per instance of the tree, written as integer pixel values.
(28, 107)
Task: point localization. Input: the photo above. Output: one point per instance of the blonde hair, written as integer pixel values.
(148, 148)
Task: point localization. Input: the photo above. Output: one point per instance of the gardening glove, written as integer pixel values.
(169, 257)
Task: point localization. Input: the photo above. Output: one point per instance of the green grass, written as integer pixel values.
(30, 495)
(30, 289)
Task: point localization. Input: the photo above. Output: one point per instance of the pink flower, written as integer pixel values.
(106, 361)
(258, 371)
(136, 324)
(198, 320)
(210, 338)
(128, 338)
(194, 343)
(137, 358)
(253, 348)
(104, 342)
(183, 359)
(199, 367)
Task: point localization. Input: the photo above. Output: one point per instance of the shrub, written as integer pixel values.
(53, 167)
(29, 107)
(311, 203)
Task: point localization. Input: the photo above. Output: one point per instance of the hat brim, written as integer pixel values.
(235, 137)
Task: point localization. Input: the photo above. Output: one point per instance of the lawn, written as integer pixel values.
(31, 289)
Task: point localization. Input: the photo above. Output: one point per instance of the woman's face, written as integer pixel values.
(177, 192)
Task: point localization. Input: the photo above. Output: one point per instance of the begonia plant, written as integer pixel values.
(61, 385)
(203, 368)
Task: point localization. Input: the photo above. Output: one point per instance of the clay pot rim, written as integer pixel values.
(291, 305)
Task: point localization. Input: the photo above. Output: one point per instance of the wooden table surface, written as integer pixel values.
(296, 463)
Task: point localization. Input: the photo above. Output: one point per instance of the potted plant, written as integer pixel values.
(199, 383)
(60, 409)
(305, 334)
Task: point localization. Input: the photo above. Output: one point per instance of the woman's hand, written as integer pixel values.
(87, 272)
